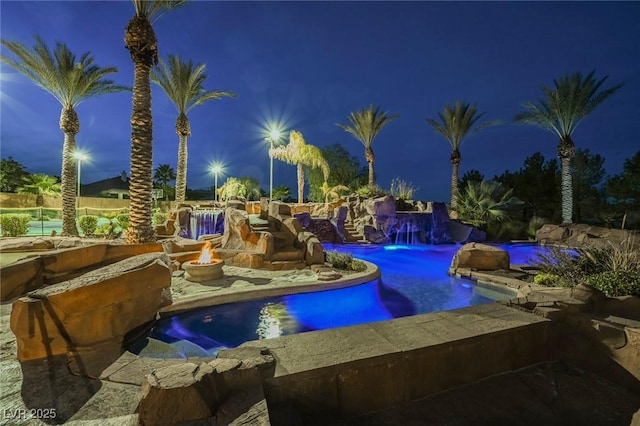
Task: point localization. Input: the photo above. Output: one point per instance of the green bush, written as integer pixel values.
(358, 265)
(159, 218)
(123, 220)
(345, 261)
(534, 224)
(88, 223)
(371, 191)
(616, 283)
(14, 225)
(550, 280)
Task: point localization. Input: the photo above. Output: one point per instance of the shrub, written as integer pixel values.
(358, 265)
(546, 279)
(123, 220)
(345, 261)
(401, 189)
(505, 230)
(370, 191)
(534, 224)
(88, 224)
(616, 283)
(14, 225)
(159, 218)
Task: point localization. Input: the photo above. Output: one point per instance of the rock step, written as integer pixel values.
(284, 255)
(284, 265)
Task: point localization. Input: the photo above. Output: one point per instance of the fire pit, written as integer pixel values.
(206, 268)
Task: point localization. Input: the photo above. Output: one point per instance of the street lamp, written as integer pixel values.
(216, 169)
(80, 157)
(274, 135)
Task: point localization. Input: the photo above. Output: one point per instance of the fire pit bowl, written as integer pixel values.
(199, 272)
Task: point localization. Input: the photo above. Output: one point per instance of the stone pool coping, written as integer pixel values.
(243, 284)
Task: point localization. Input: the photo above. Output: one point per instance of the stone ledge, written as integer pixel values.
(226, 292)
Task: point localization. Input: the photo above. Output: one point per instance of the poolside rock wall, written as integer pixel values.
(55, 266)
(88, 316)
(189, 392)
(596, 332)
(582, 235)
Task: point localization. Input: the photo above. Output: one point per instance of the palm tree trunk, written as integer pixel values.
(369, 156)
(70, 125)
(455, 165)
(300, 183)
(68, 187)
(181, 174)
(566, 190)
(141, 183)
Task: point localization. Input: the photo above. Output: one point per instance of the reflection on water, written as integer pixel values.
(269, 324)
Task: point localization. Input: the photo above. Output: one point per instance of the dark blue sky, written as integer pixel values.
(309, 64)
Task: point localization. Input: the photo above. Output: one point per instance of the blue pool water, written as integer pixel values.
(414, 281)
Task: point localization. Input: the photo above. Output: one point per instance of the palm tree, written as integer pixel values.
(457, 122)
(301, 154)
(332, 192)
(365, 126)
(182, 82)
(141, 42)
(70, 81)
(563, 107)
(162, 175)
(480, 201)
(41, 185)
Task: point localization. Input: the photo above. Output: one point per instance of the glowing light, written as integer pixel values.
(206, 254)
(216, 169)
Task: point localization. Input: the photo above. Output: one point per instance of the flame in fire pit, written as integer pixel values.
(206, 254)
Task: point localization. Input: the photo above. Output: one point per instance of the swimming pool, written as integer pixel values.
(414, 281)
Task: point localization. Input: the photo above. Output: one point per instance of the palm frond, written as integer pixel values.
(457, 122)
(153, 9)
(562, 108)
(367, 123)
(58, 72)
(183, 83)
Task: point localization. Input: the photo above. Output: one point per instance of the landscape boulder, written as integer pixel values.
(87, 317)
(480, 257)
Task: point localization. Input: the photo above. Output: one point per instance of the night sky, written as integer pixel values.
(309, 64)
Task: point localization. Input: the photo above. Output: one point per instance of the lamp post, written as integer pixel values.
(79, 156)
(216, 169)
(274, 135)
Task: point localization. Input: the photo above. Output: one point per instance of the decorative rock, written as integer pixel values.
(21, 276)
(440, 224)
(257, 364)
(375, 236)
(99, 306)
(278, 209)
(181, 393)
(480, 257)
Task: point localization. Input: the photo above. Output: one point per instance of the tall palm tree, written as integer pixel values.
(365, 126)
(142, 44)
(456, 123)
(70, 81)
(182, 82)
(563, 107)
(162, 175)
(41, 185)
(301, 154)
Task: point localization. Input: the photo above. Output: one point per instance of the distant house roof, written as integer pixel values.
(114, 185)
